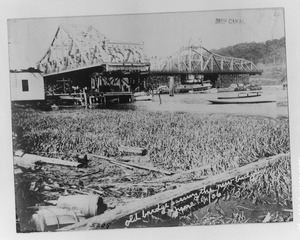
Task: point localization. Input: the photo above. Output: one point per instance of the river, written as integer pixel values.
(198, 103)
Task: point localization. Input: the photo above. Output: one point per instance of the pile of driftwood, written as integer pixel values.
(116, 180)
(167, 206)
(125, 185)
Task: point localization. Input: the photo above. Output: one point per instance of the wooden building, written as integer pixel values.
(27, 85)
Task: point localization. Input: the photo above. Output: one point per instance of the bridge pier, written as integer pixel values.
(171, 85)
(225, 80)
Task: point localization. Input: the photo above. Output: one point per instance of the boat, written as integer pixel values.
(240, 87)
(211, 90)
(243, 98)
(203, 87)
(142, 96)
(162, 90)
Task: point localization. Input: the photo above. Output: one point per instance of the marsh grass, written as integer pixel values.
(174, 141)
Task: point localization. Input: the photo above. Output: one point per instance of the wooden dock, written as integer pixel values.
(87, 99)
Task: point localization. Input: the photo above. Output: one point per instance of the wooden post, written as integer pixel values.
(85, 97)
(160, 102)
(98, 82)
(90, 100)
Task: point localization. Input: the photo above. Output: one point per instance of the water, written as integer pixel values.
(198, 103)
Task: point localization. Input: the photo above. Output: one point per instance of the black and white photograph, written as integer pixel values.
(150, 120)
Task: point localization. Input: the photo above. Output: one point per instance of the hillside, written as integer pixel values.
(270, 56)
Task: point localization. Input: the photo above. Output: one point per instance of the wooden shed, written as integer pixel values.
(27, 85)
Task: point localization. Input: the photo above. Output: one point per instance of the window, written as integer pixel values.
(25, 87)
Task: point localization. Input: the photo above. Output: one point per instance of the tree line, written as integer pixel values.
(271, 51)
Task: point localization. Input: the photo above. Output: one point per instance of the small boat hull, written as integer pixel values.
(241, 101)
(143, 98)
(243, 98)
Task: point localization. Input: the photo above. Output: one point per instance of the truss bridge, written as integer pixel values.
(198, 60)
(73, 50)
(89, 59)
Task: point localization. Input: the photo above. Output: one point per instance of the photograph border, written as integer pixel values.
(34, 9)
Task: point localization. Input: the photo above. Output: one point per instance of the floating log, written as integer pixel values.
(132, 165)
(162, 202)
(29, 159)
(135, 150)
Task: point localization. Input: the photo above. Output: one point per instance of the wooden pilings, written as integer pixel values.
(97, 98)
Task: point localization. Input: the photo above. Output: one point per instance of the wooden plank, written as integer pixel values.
(136, 150)
(123, 165)
(156, 202)
(127, 185)
(132, 165)
(135, 159)
(180, 174)
(28, 159)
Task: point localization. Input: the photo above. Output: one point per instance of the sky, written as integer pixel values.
(163, 34)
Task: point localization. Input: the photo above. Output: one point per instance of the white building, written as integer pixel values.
(26, 85)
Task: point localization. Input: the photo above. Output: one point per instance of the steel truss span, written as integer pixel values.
(73, 49)
(198, 60)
